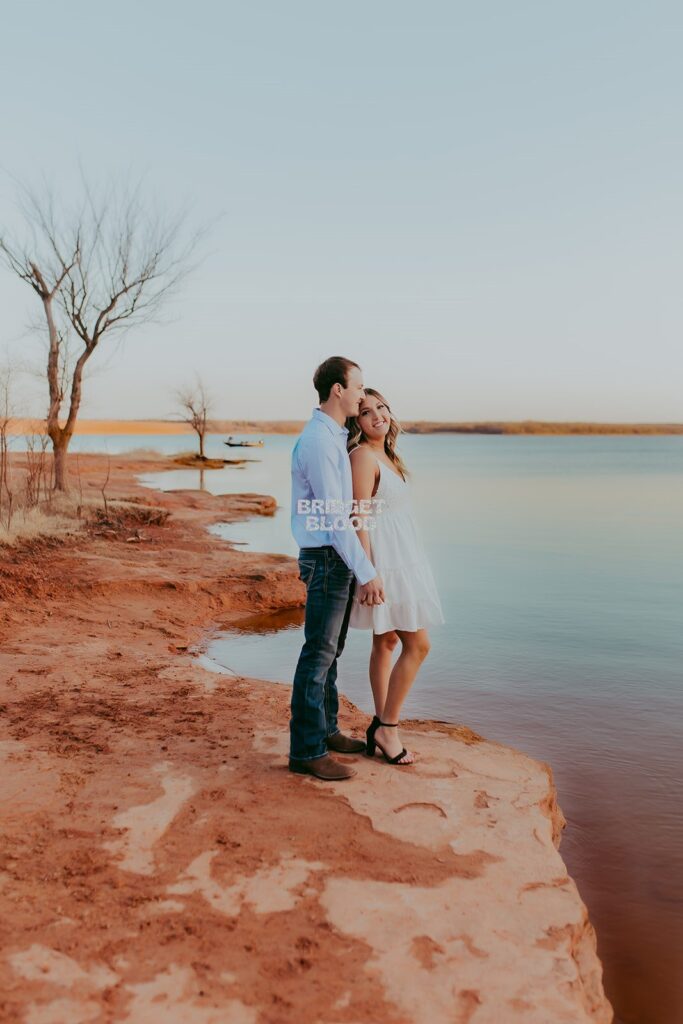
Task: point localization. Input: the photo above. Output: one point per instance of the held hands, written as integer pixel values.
(372, 592)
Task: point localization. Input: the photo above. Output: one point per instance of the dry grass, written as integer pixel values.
(124, 520)
(57, 518)
(30, 510)
(65, 515)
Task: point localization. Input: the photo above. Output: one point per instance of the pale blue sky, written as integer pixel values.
(482, 204)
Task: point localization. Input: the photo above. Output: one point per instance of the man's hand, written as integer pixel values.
(372, 592)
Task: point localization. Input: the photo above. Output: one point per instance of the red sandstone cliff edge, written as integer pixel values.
(158, 861)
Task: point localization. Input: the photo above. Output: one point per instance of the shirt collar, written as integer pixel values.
(330, 423)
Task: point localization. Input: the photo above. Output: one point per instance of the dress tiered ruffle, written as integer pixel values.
(411, 597)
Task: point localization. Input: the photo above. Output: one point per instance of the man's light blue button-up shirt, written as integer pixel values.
(321, 469)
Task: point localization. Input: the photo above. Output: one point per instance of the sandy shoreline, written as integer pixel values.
(159, 863)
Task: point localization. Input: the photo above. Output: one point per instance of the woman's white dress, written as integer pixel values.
(411, 600)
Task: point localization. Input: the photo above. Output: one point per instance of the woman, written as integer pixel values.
(394, 546)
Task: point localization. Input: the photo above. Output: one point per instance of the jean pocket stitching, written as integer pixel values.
(306, 570)
(340, 568)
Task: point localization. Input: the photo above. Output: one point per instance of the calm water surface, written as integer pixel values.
(559, 561)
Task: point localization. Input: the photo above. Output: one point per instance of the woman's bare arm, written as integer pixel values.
(363, 474)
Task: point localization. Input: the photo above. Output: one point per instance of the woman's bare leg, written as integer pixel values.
(383, 645)
(415, 648)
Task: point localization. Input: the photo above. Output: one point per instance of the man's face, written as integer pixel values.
(353, 393)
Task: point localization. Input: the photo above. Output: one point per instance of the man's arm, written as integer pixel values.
(318, 463)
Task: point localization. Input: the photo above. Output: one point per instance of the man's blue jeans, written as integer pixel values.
(330, 586)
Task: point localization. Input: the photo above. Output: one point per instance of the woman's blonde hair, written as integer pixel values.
(356, 435)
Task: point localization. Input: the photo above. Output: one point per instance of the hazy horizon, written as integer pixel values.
(113, 421)
(481, 206)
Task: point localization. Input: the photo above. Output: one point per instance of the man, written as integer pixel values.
(331, 561)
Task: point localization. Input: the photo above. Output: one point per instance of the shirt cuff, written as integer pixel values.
(364, 576)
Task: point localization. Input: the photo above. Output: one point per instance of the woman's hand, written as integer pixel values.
(372, 592)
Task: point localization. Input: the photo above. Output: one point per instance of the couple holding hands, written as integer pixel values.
(364, 566)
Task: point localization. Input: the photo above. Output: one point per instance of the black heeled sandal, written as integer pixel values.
(371, 742)
(370, 736)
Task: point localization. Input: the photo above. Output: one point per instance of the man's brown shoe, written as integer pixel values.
(345, 744)
(324, 767)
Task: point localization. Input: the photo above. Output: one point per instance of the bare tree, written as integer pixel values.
(196, 405)
(98, 271)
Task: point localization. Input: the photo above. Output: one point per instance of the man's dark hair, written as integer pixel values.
(333, 371)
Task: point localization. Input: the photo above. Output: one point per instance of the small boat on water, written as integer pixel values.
(243, 444)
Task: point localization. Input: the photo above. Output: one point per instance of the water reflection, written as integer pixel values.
(267, 474)
(270, 534)
(560, 566)
(268, 623)
(616, 765)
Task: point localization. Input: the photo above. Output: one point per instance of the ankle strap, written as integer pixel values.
(390, 725)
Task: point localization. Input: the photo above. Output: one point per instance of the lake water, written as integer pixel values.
(559, 561)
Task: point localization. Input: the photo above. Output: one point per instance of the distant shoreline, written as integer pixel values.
(238, 427)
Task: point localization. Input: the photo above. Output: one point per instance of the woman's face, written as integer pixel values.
(374, 418)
